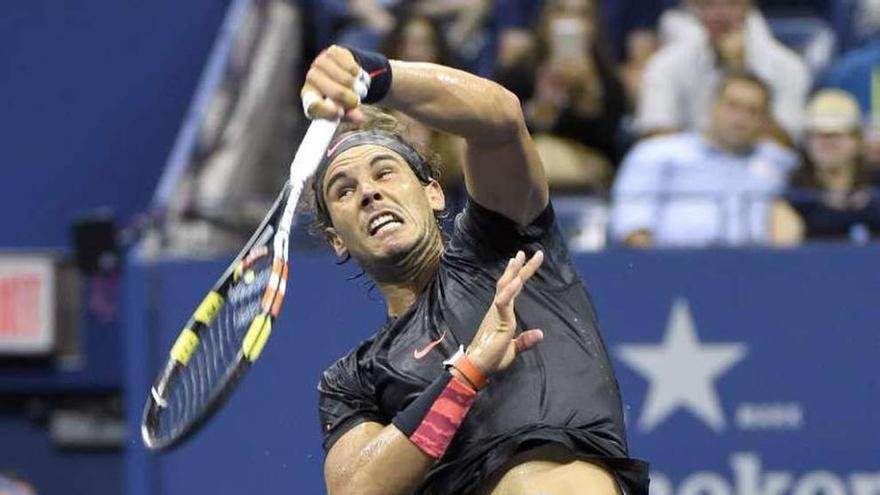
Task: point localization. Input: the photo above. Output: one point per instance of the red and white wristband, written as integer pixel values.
(432, 420)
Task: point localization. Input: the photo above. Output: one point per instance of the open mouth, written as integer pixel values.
(382, 222)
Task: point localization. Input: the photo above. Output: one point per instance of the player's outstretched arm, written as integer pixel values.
(503, 171)
(393, 460)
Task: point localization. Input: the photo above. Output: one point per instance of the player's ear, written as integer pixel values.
(335, 241)
(436, 196)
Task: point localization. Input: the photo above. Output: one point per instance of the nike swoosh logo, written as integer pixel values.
(420, 353)
(336, 146)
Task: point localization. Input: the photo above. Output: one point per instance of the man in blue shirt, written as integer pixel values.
(701, 189)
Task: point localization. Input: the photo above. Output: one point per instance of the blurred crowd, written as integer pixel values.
(685, 124)
(660, 123)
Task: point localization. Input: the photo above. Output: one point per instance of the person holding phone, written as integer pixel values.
(569, 84)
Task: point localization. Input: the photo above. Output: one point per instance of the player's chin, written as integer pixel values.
(395, 246)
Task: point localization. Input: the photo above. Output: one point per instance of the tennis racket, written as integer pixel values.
(229, 329)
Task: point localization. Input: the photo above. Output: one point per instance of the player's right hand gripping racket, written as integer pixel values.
(228, 330)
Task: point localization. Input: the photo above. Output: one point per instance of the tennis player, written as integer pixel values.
(489, 375)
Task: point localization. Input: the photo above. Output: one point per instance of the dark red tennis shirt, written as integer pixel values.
(562, 391)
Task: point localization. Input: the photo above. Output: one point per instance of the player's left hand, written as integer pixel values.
(496, 345)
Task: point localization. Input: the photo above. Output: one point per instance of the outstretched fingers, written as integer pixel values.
(516, 274)
(496, 344)
(505, 296)
(532, 266)
(514, 265)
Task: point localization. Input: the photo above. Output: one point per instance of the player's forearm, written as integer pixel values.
(389, 464)
(454, 101)
(394, 459)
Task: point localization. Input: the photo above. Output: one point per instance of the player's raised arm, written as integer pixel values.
(503, 171)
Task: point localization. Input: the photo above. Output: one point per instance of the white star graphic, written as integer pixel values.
(682, 371)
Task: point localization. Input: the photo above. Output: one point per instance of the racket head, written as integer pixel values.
(205, 364)
(220, 341)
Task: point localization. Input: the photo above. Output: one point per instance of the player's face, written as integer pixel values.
(740, 115)
(379, 209)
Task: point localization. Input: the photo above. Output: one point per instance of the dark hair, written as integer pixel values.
(747, 76)
(600, 45)
(405, 16)
(376, 120)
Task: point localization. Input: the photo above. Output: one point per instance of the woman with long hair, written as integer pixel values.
(573, 99)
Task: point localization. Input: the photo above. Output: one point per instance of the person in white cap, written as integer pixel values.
(834, 199)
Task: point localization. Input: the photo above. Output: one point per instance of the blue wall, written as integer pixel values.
(781, 345)
(25, 449)
(92, 94)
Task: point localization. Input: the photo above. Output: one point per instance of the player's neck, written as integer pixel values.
(403, 283)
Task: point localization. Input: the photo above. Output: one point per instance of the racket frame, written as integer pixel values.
(277, 224)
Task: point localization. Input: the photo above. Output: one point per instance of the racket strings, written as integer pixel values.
(219, 347)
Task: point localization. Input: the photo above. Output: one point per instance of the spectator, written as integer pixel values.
(418, 38)
(465, 28)
(641, 44)
(679, 22)
(692, 189)
(865, 22)
(840, 204)
(679, 80)
(858, 73)
(363, 23)
(516, 56)
(623, 18)
(854, 72)
(367, 23)
(573, 99)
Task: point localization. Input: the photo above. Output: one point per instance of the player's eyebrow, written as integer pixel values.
(338, 175)
(333, 179)
(382, 157)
